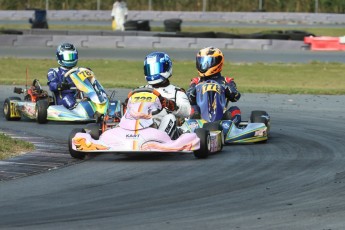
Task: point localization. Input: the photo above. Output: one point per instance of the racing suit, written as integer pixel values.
(60, 86)
(179, 107)
(231, 93)
(119, 14)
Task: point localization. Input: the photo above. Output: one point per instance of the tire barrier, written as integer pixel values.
(172, 25)
(137, 25)
(324, 43)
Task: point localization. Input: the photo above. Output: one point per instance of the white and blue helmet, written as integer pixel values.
(67, 55)
(157, 67)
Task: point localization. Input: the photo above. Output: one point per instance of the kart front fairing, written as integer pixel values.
(140, 109)
(85, 82)
(211, 100)
(145, 140)
(134, 132)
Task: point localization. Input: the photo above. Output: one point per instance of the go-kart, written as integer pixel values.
(210, 97)
(136, 132)
(92, 101)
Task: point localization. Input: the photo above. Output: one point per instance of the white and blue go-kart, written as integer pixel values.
(92, 101)
(212, 102)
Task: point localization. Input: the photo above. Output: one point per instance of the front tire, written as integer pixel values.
(72, 152)
(41, 111)
(7, 109)
(259, 116)
(205, 143)
(93, 129)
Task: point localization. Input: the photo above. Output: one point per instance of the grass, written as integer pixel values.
(10, 147)
(296, 78)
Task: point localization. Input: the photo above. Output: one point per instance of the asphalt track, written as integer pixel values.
(294, 181)
(286, 56)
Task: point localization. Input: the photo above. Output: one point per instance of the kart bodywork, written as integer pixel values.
(92, 101)
(210, 97)
(135, 132)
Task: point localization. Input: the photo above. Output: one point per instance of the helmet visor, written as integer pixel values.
(204, 63)
(155, 68)
(69, 56)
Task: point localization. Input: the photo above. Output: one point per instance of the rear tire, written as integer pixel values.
(72, 152)
(41, 111)
(205, 144)
(7, 109)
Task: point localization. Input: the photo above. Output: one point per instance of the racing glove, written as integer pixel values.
(168, 104)
(63, 86)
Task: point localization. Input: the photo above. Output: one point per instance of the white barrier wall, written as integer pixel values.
(96, 41)
(134, 39)
(277, 17)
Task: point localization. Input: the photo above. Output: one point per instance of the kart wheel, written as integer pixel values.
(7, 109)
(259, 116)
(72, 152)
(215, 126)
(205, 144)
(212, 126)
(41, 111)
(93, 129)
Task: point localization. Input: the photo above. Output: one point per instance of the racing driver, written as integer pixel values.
(209, 63)
(67, 58)
(158, 70)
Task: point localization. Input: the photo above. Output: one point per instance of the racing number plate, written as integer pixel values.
(143, 97)
(13, 110)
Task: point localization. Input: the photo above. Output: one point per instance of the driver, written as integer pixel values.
(67, 58)
(158, 70)
(209, 63)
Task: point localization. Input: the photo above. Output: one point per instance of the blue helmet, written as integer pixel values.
(157, 67)
(67, 55)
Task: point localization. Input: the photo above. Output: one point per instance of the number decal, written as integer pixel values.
(143, 97)
(85, 74)
(13, 110)
(210, 87)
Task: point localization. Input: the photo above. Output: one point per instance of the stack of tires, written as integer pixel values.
(135, 25)
(172, 25)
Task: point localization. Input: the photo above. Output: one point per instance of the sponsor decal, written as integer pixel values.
(132, 136)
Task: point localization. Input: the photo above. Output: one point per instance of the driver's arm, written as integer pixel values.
(184, 107)
(231, 91)
(53, 80)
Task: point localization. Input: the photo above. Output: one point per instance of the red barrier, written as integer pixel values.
(325, 43)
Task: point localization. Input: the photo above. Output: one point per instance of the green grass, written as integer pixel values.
(282, 78)
(10, 147)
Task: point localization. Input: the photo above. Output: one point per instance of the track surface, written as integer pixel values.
(295, 181)
(286, 56)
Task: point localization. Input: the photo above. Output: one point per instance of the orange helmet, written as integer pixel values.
(209, 61)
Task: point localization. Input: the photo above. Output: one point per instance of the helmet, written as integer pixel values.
(67, 55)
(209, 61)
(157, 67)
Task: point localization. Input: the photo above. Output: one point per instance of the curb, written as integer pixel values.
(48, 155)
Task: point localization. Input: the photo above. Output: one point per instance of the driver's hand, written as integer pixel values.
(63, 86)
(168, 104)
